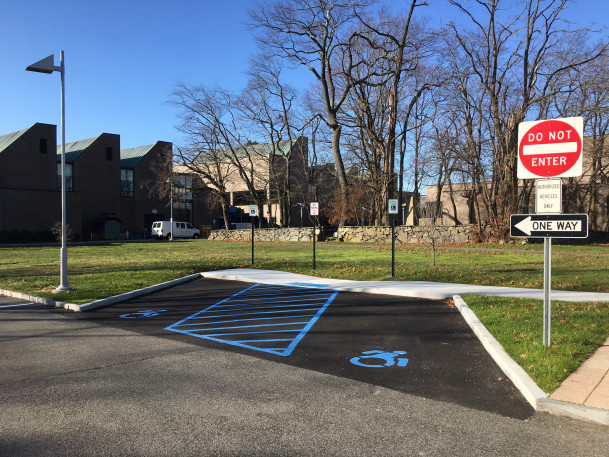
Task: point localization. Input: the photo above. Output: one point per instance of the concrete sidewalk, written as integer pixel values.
(583, 395)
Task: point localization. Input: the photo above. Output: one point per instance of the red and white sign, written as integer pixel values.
(314, 209)
(551, 148)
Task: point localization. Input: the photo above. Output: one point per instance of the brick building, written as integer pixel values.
(108, 191)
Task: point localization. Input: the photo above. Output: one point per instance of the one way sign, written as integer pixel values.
(549, 225)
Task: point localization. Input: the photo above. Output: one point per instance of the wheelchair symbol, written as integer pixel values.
(390, 359)
(138, 314)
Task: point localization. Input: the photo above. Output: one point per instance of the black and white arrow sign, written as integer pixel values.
(549, 225)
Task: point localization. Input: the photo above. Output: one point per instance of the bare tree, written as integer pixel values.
(507, 70)
(267, 106)
(316, 34)
(202, 113)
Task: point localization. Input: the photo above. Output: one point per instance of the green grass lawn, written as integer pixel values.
(577, 329)
(102, 270)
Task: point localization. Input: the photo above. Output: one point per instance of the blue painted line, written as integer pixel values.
(252, 314)
(266, 297)
(271, 307)
(221, 301)
(259, 306)
(308, 284)
(250, 333)
(304, 331)
(245, 320)
(253, 326)
(268, 340)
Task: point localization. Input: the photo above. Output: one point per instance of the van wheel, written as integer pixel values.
(168, 236)
(196, 236)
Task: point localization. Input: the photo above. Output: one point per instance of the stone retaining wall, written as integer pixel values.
(403, 234)
(406, 234)
(279, 234)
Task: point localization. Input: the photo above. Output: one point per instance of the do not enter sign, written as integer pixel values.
(551, 148)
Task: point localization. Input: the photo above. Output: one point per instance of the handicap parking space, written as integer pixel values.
(417, 346)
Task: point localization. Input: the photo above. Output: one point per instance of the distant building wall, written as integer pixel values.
(96, 175)
(138, 212)
(29, 198)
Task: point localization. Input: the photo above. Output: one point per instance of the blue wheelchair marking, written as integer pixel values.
(140, 314)
(390, 359)
(262, 313)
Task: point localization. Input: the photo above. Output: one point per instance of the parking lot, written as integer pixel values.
(215, 367)
(416, 346)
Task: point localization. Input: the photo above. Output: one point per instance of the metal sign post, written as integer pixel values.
(549, 149)
(393, 210)
(547, 287)
(314, 207)
(547, 226)
(253, 214)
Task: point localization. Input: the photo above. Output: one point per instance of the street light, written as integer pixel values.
(170, 181)
(47, 65)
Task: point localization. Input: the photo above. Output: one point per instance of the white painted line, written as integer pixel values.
(551, 148)
(20, 304)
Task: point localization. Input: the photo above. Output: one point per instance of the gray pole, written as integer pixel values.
(393, 245)
(252, 241)
(171, 207)
(314, 236)
(63, 286)
(547, 286)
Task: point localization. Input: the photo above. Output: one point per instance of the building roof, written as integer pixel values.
(256, 150)
(281, 147)
(131, 157)
(7, 139)
(75, 149)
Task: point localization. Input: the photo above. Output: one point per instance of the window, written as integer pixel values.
(126, 182)
(108, 153)
(182, 198)
(43, 145)
(69, 177)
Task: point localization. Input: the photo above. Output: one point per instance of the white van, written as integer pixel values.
(162, 229)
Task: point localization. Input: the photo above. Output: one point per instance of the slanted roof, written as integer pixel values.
(131, 157)
(75, 149)
(8, 139)
(282, 148)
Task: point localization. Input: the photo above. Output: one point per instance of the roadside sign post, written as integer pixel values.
(547, 287)
(393, 210)
(549, 149)
(253, 214)
(314, 208)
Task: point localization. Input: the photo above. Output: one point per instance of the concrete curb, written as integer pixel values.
(104, 301)
(517, 375)
(574, 411)
(529, 389)
(135, 293)
(35, 299)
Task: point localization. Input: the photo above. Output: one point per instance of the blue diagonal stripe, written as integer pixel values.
(266, 314)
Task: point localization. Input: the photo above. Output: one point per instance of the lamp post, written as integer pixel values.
(47, 65)
(170, 181)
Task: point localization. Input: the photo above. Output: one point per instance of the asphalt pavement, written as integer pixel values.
(417, 346)
(355, 374)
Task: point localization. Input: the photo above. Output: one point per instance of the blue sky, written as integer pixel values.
(123, 59)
